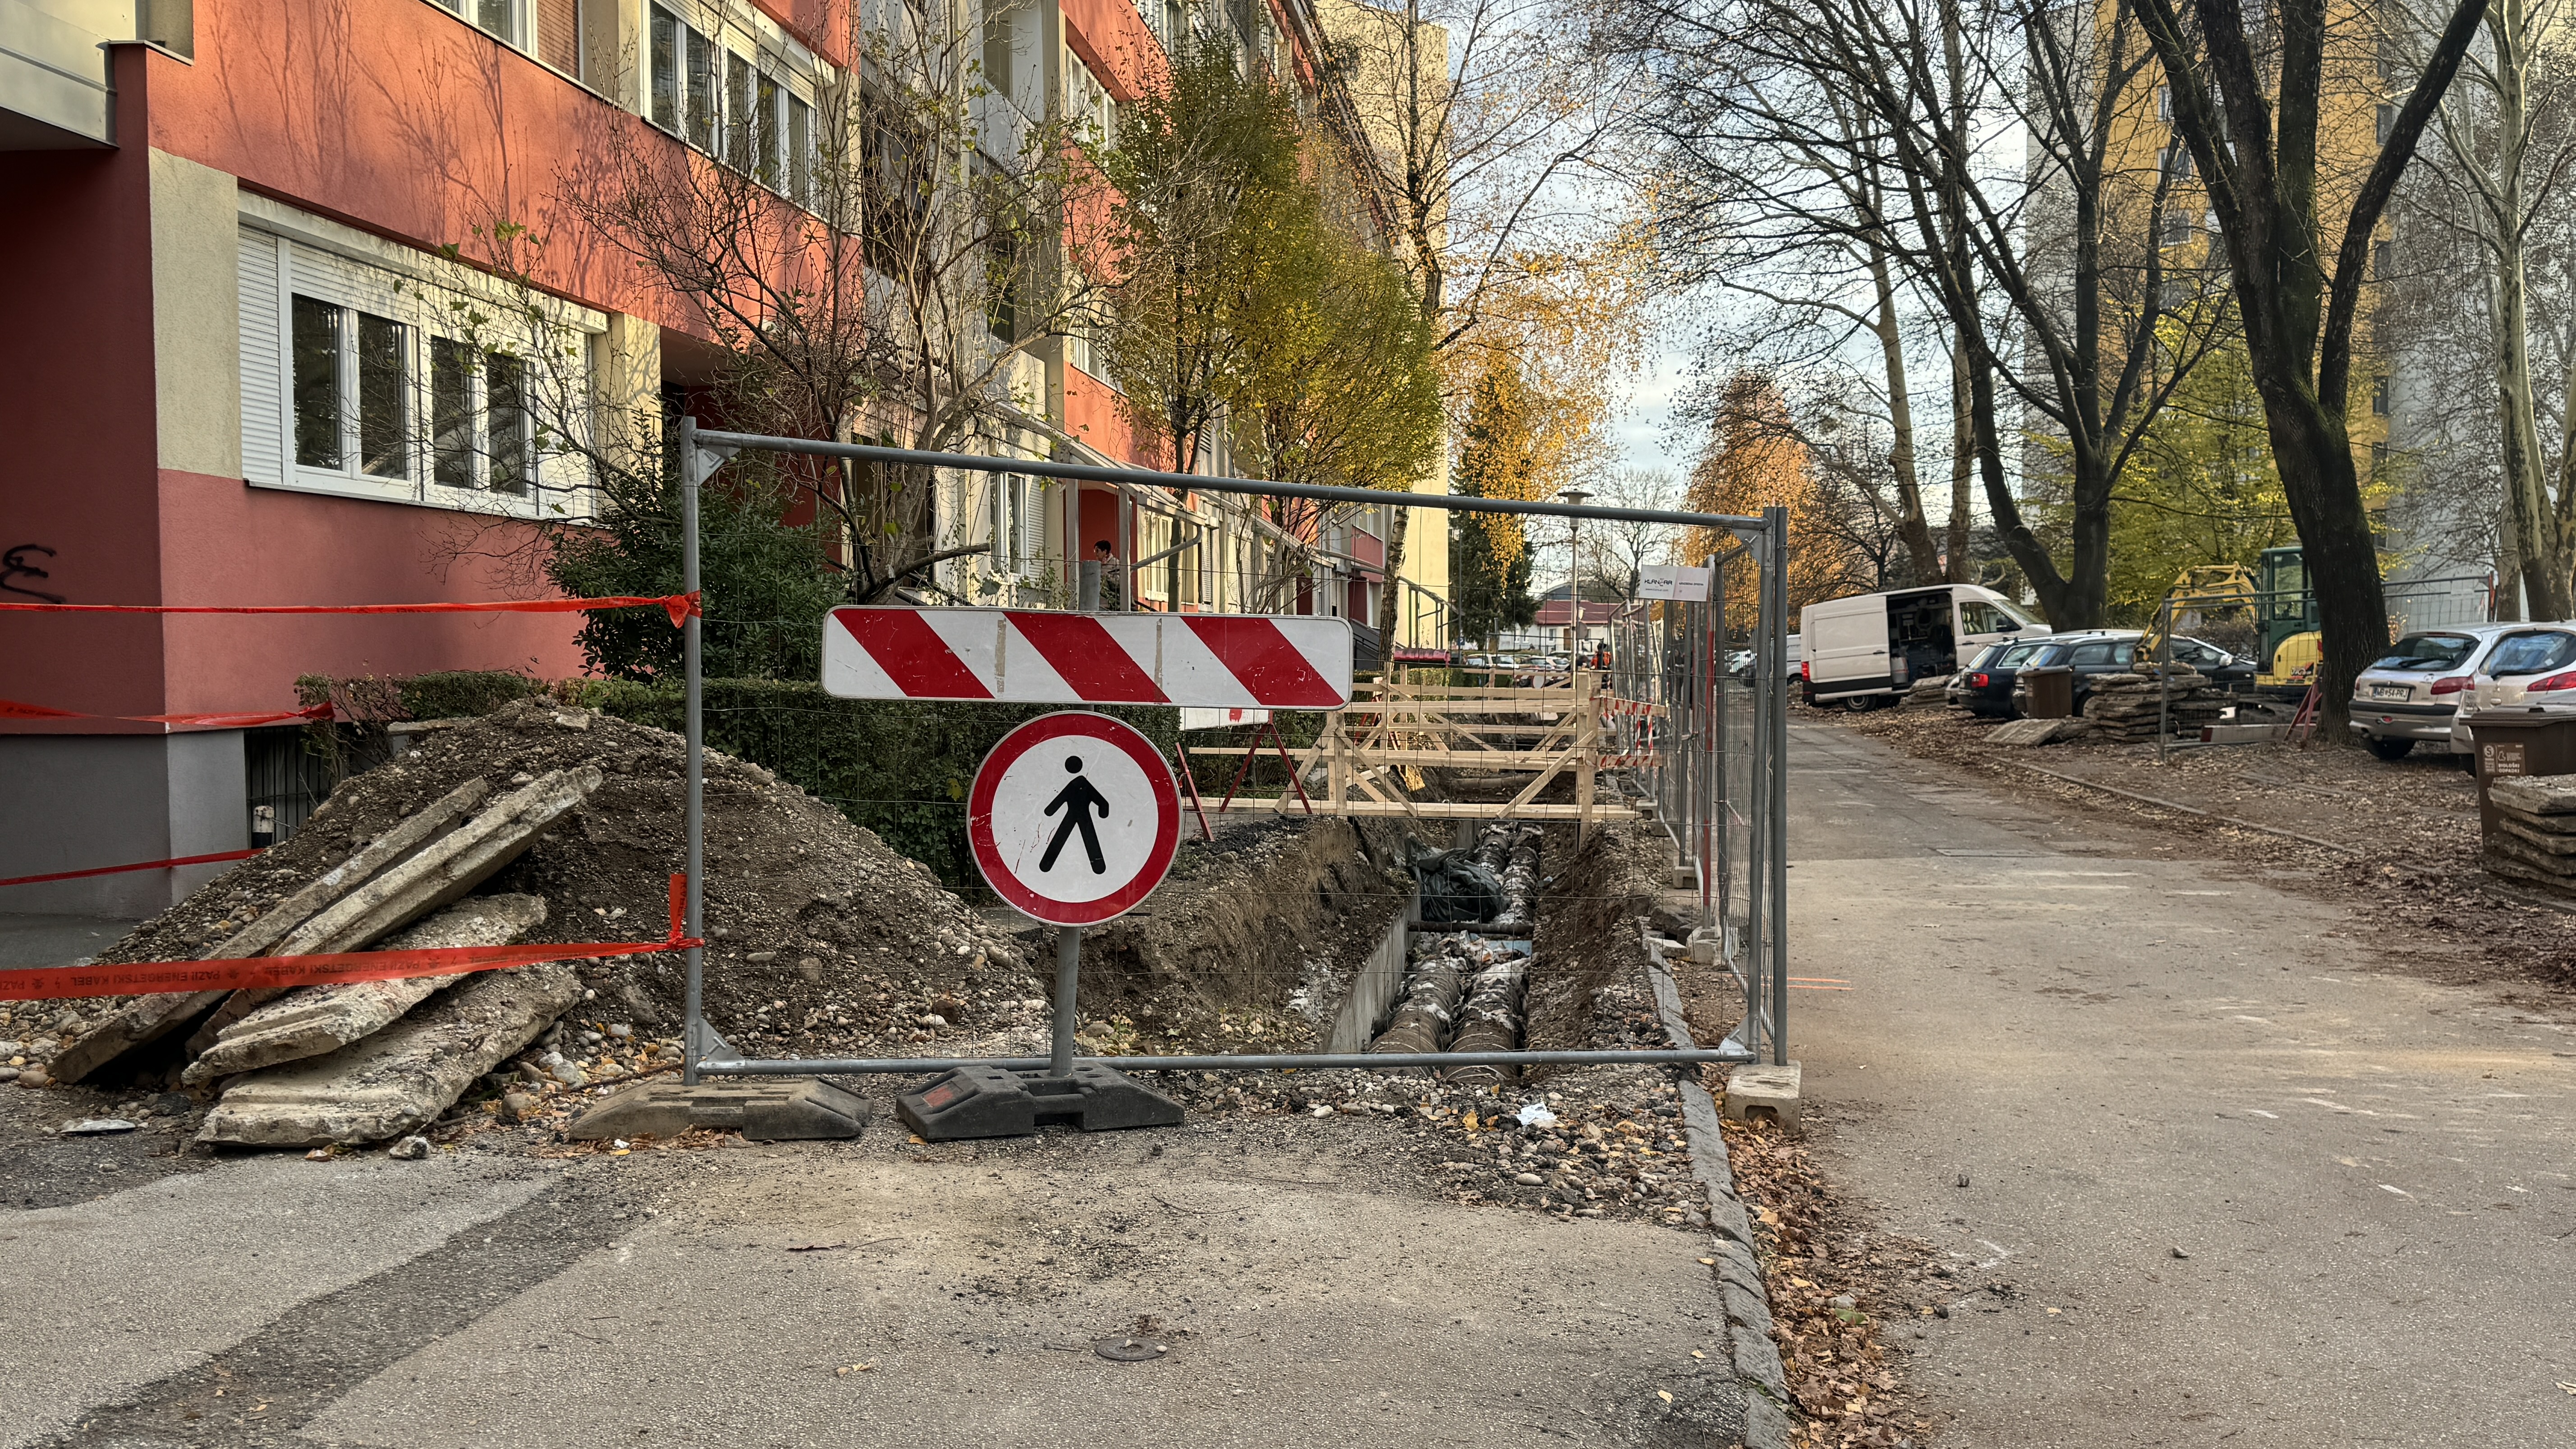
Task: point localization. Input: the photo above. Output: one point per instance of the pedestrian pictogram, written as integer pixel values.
(1077, 802)
(1073, 818)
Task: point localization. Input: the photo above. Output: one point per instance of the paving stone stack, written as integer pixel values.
(1931, 693)
(2125, 707)
(2534, 837)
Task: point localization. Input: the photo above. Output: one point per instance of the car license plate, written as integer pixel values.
(2389, 691)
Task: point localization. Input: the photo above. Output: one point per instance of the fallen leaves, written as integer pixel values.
(1824, 1278)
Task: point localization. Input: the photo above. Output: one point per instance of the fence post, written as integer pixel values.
(1757, 853)
(1775, 603)
(695, 808)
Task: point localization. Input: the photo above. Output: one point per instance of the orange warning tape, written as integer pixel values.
(20, 709)
(144, 978)
(139, 865)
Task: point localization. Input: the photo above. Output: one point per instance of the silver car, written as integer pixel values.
(2525, 664)
(2412, 694)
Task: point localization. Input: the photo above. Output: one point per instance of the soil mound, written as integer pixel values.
(821, 939)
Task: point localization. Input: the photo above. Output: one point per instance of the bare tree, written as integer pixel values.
(1865, 131)
(2505, 142)
(1622, 548)
(2252, 117)
(888, 277)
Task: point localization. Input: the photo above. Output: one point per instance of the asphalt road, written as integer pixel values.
(2071, 1051)
(1308, 1283)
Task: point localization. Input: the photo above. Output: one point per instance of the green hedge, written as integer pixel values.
(464, 693)
(900, 768)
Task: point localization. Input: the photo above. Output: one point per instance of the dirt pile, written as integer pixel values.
(821, 939)
(1589, 939)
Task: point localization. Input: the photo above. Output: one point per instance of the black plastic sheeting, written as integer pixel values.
(1456, 888)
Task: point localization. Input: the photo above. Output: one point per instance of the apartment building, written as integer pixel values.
(255, 361)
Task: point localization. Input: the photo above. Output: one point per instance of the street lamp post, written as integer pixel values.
(1574, 576)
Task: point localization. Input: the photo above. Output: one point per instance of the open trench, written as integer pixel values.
(1355, 936)
(1466, 983)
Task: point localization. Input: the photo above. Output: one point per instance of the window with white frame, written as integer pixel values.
(356, 379)
(1088, 102)
(1001, 491)
(731, 104)
(503, 20)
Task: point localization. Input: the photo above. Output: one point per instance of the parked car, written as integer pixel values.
(2411, 695)
(2088, 655)
(2528, 665)
(2227, 669)
(1989, 691)
(1955, 693)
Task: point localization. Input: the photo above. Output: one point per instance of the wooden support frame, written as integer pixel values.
(1395, 725)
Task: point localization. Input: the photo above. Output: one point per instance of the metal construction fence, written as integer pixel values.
(1709, 734)
(1725, 809)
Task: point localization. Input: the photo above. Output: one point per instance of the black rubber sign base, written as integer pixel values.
(999, 1102)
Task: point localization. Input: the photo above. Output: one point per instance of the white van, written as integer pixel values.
(1866, 649)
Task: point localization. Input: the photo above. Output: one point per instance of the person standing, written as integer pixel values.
(1113, 578)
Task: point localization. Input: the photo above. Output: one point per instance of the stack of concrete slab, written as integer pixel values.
(306, 1066)
(2533, 839)
(2128, 707)
(1930, 693)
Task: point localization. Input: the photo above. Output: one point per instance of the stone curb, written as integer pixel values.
(1739, 1274)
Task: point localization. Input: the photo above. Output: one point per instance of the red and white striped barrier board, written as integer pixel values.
(1018, 656)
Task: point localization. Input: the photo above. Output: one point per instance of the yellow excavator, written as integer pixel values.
(2289, 644)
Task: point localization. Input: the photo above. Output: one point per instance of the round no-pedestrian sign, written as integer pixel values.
(1074, 818)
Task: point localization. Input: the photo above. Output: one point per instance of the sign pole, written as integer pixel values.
(1068, 1004)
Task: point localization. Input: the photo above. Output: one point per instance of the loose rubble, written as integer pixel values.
(565, 827)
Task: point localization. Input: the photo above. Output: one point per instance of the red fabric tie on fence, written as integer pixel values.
(678, 606)
(142, 978)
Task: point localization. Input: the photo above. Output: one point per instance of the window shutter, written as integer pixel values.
(263, 362)
(1030, 509)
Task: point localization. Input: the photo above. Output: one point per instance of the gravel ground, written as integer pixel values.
(2407, 832)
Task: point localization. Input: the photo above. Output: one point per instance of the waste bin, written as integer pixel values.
(2529, 740)
(2050, 692)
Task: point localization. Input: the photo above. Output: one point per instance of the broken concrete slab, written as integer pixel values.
(2036, 731)
(777, 1109)
(316, 1019)
(147, 1019)
(418, 830)
(444, 872)
(2535, 794)
(401, 1078)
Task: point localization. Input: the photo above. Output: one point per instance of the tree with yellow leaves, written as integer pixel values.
(1753, 459)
